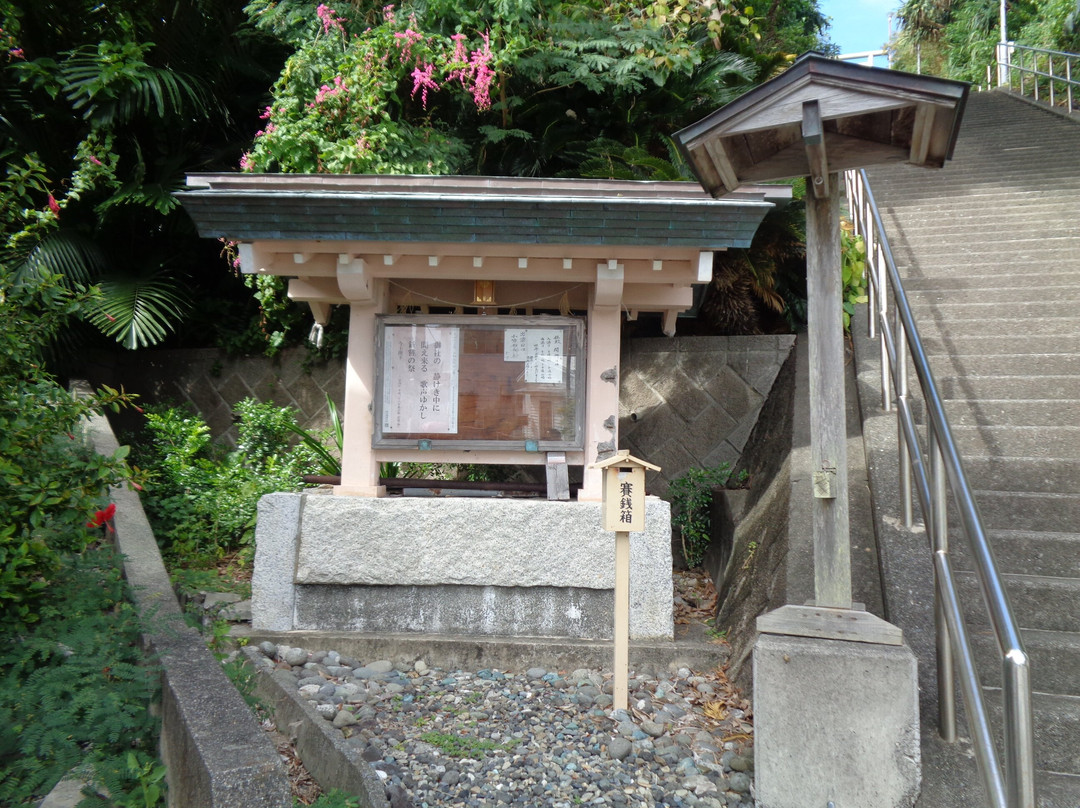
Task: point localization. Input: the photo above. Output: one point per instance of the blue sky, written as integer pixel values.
(858, 25)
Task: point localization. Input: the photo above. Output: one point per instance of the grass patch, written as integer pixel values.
(232, 575)
(461, 746)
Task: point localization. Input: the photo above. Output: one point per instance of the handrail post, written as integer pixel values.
(1050, 72)
(1068, 83)
(882, 314)
(871, 247)
(939, 538)
(1019, 732)
(907, 506)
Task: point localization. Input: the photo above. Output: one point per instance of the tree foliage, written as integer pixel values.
(957, 38)
(529, 88)
(103, 109)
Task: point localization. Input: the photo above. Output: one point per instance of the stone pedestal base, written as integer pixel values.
(835, 721)
(454, 565)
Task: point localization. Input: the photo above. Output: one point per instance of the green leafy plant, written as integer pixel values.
(243, 679)
(691, 495)
(53, 484)
(853, 264)
(75, 689)
(326, 461)
(200, 497)
(334, 798)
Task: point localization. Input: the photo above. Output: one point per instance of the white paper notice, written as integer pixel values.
(421, 390)
(514, 349)
(544, 360)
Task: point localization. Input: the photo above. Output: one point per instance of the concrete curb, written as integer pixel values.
(215, 752)
(332, 761)
(506, 653)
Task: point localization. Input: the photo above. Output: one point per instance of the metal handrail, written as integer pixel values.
(1015, 787)
(1058, 71)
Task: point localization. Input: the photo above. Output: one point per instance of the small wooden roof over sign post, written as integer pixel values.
(821, 116)
(818, 118)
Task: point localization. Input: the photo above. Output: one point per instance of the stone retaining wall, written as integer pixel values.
(693, 401)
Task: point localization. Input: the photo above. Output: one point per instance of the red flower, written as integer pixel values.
(103, 517)
(54, 206)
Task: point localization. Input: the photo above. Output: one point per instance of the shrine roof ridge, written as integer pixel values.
(247, 207)
(502, 189)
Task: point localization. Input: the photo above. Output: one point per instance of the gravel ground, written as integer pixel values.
(538, 738)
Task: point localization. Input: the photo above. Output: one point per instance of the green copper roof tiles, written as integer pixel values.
(446, 209)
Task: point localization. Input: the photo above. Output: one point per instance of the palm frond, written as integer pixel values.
(138, 312)
(66, 253)
(110, 85)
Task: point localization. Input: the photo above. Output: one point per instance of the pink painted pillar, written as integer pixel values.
(601, 393)
(359, 469)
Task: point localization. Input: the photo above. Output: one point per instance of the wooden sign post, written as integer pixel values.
(623, 511)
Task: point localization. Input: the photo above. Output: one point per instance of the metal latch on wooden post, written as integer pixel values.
(825, 482)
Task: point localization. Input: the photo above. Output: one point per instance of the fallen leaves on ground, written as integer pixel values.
(695, 596)
(304, 788)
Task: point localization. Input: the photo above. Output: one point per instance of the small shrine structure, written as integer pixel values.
(436, 249)
(464, 348)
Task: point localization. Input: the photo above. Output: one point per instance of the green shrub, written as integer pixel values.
(200, 497)
(74, 690)
(335, 799)
(691, 495)
(853, 261)
(52, 483)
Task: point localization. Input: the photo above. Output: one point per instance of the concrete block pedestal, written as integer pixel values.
(454, 565)
(835, 722)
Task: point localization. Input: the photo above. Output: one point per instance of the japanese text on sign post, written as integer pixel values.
(624, 500)
(421, 390)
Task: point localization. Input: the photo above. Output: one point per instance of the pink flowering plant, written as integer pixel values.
(375, 98)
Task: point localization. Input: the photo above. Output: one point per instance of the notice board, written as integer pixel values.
(475, 381)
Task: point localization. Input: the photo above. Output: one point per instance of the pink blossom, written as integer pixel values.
(475, 74)
(246, 162)
(95, 161)
(54, 206)
(423, 81)
(266, 114)
(405, 42)
(329, 18)
(16, 53)
(326, 91)
(460, 53)
(388, 13)
(483, 75)
(363, 144)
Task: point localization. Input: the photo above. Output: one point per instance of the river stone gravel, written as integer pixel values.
(538, 738)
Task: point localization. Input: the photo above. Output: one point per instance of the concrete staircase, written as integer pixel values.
(990, 251)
